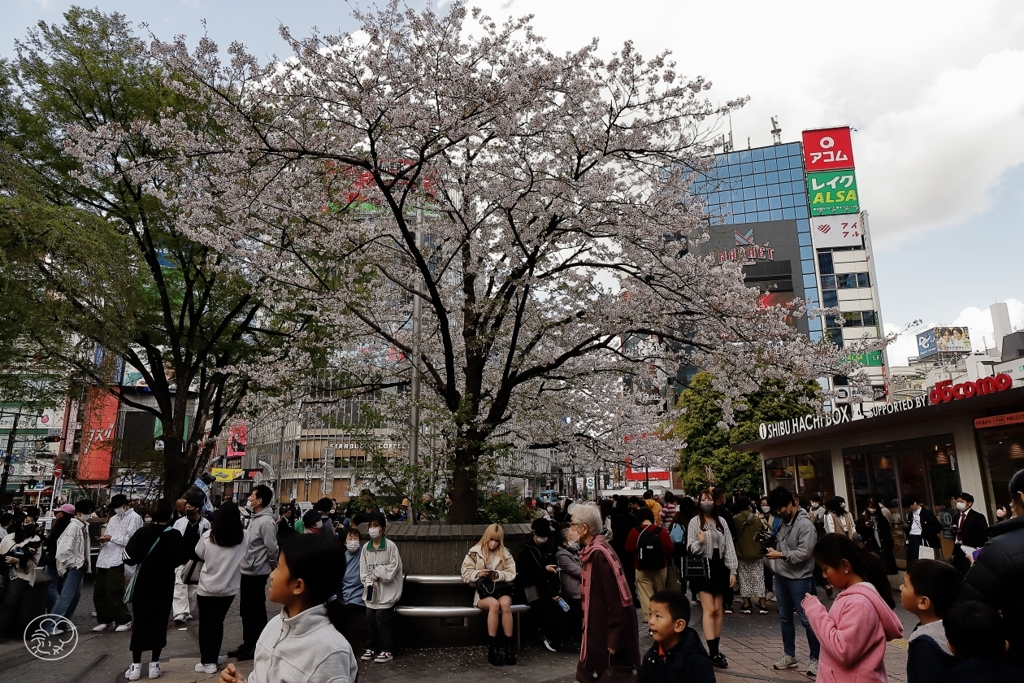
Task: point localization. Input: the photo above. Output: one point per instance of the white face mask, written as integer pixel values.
(542, 539)
(148, 519)
(815, 506)
(352, 546)
(765, 509)
(961, 506)
(573, 545)
(374, 532)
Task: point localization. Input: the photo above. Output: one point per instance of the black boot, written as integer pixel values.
(510, 651)
(494, 651)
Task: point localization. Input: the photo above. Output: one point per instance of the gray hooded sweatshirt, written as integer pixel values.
(796, 543)
(261, 556)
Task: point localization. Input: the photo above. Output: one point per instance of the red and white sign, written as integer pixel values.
(831, 232)
(98, 436)
(828, 149)
(999, 420)
(947, 391)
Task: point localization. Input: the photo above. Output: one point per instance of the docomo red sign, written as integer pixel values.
(947, 391)
(828, 149)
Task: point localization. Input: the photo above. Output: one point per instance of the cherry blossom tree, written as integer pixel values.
(537, 205)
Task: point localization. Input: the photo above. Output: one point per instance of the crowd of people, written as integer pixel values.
(585, 572)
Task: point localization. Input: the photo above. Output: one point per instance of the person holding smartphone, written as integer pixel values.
(491, 569)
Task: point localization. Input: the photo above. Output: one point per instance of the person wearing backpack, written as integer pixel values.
(652, 550)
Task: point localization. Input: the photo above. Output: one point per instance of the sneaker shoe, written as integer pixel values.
(812, 669)
(770, 597)
(367, 656)
(124, 627)
(720, 661)
(549, 645)
(728, 610)
(133, 673)
(746, 610)
(93, 612)
(179, 619)
(154, 670)
(383, 658)
(762, 611)
(103, 627)
(206, 668)
(787, 662)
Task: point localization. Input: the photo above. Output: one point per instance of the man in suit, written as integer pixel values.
(971, 531)
(922, 527)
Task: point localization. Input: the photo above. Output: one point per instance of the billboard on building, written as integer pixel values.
(831, 232)
(237, 439)
(943, 340)
(828, 149)
(98, 435)
(833, 193)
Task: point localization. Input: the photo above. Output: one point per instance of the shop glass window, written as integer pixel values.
(1002, 455)
(806, 475)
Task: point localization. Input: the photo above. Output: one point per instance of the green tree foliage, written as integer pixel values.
(92, 260)
(708, 445)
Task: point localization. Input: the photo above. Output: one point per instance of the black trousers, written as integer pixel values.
(108, 596)
(253, 608)
(355, 627)
(212, 612)
(11, 602)
(379, 636)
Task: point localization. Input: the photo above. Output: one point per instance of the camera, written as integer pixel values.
(767, 540)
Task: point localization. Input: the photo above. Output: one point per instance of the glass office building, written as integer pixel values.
(765, 186)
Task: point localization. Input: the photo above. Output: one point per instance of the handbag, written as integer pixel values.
(129, 590)
(489, 588)
(190, 575)
(618, 673)
(925, 552)
(696, 567)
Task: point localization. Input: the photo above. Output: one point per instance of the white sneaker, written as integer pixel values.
(102, 627)
(383, 658)
(154, 670)
(206, 668)
(94, 612)
(179, 619)
(124, 627)
(786, 662)
(133, 673)
(367, 655)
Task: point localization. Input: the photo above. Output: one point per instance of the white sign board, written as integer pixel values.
(831, 232)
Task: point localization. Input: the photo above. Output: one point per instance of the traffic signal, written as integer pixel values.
(51, 439)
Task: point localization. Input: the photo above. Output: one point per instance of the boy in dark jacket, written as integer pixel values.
(928, 591)
(977, 636)
(677, 655)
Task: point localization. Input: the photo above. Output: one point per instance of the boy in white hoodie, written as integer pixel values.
(380, 570)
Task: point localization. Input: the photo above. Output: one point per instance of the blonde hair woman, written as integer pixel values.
(491, 568)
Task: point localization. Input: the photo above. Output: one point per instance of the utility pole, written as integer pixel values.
(9, 455)
(414, 410)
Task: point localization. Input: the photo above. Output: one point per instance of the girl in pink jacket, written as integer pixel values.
(854, 632)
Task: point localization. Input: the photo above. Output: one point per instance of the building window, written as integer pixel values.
(825, 263)
(829, 298)
(808, 475)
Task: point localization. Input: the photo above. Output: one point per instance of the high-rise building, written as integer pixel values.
(791, 214)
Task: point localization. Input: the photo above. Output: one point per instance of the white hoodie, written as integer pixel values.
(73, 547)
(305, 648)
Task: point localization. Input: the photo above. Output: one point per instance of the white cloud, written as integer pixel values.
(931, 89)
(976, 319)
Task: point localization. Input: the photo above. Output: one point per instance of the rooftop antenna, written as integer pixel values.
(748, 142)
(729, 144)
(776, 131)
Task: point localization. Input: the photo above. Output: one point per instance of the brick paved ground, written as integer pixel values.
(751, 643)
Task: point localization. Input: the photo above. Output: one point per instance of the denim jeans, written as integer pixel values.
(69, 594)
(53, 588)
(788, 594)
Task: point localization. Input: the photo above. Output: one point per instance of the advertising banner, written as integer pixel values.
(830, 232)
(237, 439)
(828, 149)
(926, 344)
(943, 340)
(223, 474)
(833, 193)
(98, 436)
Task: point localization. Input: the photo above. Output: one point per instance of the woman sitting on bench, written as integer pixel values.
(490, 567)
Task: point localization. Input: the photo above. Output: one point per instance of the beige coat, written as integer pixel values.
(474, 565)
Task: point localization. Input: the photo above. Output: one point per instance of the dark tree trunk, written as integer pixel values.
(464, 485)
(177, 472)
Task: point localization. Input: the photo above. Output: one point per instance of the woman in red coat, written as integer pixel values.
(611, 636)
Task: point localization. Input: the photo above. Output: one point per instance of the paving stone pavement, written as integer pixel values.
(750, 642)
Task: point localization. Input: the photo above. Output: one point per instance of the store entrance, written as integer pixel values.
(889, 472)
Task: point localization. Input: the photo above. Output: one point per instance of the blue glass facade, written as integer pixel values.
(760, 185)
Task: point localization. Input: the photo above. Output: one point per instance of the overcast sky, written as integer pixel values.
(933, 90)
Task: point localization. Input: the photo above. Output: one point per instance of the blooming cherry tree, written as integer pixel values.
(537, 204)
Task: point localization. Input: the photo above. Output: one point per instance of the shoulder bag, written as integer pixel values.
(129, 590)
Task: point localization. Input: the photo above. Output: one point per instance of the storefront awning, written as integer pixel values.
(978, 406)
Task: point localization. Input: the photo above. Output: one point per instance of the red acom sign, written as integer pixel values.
(827, 149)
(946, 391)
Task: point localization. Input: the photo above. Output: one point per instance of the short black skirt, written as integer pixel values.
(718, 581)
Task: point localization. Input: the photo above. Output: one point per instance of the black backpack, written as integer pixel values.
(649, 553)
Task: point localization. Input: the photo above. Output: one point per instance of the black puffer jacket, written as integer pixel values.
(997, 579)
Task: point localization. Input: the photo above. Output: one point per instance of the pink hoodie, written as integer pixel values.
(853, 635)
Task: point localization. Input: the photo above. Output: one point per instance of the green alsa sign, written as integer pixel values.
(833, 192)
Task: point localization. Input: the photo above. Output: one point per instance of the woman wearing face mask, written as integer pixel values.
(20, 551)
(837, 519)
(351, 593)
(490, 567)
(570, 571)
(709, 537)
(537, 580)
(772, 523)
(876, 533)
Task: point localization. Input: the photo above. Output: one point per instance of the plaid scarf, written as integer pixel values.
(600, 545)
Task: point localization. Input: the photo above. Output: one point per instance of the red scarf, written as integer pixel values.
(600, 545)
